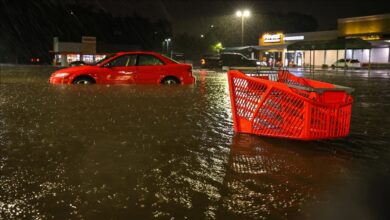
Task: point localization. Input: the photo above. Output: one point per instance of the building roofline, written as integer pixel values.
(364, 18)
(312, 32)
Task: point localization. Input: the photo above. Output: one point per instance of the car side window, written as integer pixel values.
(149, 60)
(125, 60)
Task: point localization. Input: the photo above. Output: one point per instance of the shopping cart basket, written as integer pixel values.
(280, 104)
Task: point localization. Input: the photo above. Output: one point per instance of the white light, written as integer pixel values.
(294, 38)
(202, 36)
(211, 26)
(247, 13)
(239, 13)
(169, 39)
(387, 41)
(61, 75)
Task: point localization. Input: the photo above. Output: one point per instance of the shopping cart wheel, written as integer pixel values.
(170, 81)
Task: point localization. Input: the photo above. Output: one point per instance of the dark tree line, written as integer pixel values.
(27, 28)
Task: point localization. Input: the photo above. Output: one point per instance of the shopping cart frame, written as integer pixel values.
(323, 110)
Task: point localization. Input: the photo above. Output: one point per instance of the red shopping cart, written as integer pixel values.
(280, 104)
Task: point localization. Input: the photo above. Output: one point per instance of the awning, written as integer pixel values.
(336, 44)
(233, 49)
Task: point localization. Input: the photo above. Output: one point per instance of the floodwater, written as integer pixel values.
(169, 152)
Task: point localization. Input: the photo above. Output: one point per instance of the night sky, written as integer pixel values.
(325, 11)
(195, 24)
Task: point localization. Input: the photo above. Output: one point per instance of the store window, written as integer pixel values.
(73, 57)
(99, 57)
(88, 58)
(57, 59)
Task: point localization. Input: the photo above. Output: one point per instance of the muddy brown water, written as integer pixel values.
(169, 152)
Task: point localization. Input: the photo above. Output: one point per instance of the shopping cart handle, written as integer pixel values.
(348, 90)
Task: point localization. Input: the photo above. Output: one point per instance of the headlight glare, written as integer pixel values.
(61, 75)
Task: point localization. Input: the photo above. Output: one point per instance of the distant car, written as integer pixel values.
(35, 60)
(230, 59)
(239, 60)
(127, 68)
(349, 63)
(78, 63)
(210, 61)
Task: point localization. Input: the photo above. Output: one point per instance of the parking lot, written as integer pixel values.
(153, 151)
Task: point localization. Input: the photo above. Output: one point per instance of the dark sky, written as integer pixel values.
(325, 11)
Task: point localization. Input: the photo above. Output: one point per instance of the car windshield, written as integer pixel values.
(104, 59)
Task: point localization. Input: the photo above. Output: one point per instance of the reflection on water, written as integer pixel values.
(272, 179)
(143, 152)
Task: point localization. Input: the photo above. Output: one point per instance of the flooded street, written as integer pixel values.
(169, 152)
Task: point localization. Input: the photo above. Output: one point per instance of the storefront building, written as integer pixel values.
(275, 47)
(67, 52)
(87, 50)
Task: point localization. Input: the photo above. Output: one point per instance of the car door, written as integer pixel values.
(122, 69)
(149, 69)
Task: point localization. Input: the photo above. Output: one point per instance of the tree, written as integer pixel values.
(28, 28)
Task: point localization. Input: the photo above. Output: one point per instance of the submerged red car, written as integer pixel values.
(126, 68)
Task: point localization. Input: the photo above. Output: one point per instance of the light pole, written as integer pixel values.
(243, 14)
(167, 40)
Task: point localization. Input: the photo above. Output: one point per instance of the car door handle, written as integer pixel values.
(126, 72)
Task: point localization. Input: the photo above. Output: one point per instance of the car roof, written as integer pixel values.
(160, 56)
(138, 52)
(231, 53)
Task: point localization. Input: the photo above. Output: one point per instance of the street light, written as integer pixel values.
(167, 40)
(243, 14)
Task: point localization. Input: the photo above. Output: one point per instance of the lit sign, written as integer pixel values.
(371, 37)
(272, 38)
(294, 38)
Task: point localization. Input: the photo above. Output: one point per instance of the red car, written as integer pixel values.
(125, 68)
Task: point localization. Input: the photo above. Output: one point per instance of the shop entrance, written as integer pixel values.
(293, 58)
(272, 58)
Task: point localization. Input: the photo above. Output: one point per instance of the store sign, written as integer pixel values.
(291, 38)
(272, 38)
